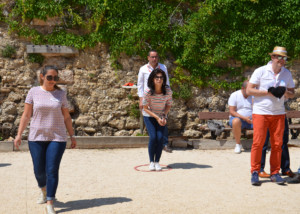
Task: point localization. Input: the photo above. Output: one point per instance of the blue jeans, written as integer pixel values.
(166, 141)
(285, 156)
(156, 138)
(245, 125)
(46, 157)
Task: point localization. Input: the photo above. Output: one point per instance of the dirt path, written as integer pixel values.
(105, 181)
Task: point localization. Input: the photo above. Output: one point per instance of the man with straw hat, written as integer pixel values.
(270, 85)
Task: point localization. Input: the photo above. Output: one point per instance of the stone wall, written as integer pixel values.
(99, 104)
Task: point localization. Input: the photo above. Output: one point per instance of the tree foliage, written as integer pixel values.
(199, 35)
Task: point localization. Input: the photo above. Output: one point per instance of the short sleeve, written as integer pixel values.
(64, 101)
(255, 78)
(169, 100)
(29, 97)
(232, 100)
(290, 83)
(146, 100)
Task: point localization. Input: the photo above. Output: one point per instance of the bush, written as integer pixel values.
(8, 51)
(199, 35)
(36, 58)
(134, 111)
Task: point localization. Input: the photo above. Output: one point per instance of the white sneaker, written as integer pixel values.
(157, 166)
(50, 209)
(151, 166)
(238, 148)
(42, 198)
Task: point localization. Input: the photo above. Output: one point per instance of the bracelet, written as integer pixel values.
(72, 136)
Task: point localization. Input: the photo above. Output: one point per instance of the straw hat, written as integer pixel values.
(281, 51)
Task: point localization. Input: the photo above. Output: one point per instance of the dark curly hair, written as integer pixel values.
(151, 81)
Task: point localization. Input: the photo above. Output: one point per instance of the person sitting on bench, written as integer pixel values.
(240, 109)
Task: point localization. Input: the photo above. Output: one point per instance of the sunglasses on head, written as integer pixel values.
(159, 77)
(50, 78)
(281, 57)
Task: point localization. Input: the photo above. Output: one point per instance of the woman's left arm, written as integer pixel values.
(167, 109)
(68, 123)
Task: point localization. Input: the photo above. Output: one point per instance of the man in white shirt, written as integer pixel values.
(269, 85)
(143, 76)
(240, 109)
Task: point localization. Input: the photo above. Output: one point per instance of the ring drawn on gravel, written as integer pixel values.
(142, 168)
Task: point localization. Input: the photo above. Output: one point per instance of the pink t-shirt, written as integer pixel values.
(47, 122)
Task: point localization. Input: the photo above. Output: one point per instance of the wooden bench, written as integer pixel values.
(294, 128)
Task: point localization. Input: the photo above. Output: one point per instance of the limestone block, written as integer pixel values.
(137, 132)
(174, 123)
(115, 123)
(119, 113)
(207, 135)
(66, 76)
(2, 63)
(191, 125)
(294, 106)
(5, 90)
(198, 102)
(103, 119)
(297, 92)
(192, 115)
(17, 121)
(60, 62)
(83, 107)
(87, 61)
(119, 93)
(18, 63)
(126, 61)
(7, 118)
(83, 120)
(122, 133)
(192, 133)
(217, 103)
(7, 126)
(107, 131)
(132, 123)
(9, 108)
(9, 78)
(14, 97)
(89, 130)
(93, 123)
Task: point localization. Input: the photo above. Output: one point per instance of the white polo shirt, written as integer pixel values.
(243, 105)
(264, 78)
(144, 74)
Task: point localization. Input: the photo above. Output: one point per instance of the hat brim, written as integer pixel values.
(279, 54)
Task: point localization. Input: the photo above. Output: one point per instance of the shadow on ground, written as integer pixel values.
(4, 164)
(88, 203)
(188, 166)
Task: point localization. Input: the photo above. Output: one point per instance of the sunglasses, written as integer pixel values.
(159, 77)
(50, 78)
(154, 57)
(281, 57)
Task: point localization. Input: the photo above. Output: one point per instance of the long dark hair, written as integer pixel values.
(151, 81)
(44, 72)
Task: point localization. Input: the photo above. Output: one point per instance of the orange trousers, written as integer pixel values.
(261, 123)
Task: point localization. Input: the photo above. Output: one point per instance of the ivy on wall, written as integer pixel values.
(199, 35)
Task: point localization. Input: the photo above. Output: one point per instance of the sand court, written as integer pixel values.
(107, 181)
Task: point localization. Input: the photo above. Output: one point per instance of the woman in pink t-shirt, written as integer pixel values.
(47, 107)
(156, 105)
